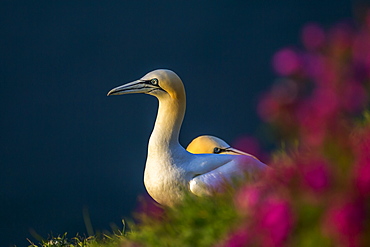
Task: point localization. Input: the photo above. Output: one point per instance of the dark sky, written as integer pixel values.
(66, 146)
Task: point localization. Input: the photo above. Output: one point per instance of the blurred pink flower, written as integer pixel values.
(362, 163)
(313, 36)
(362, 176)
(325, 102)
(238, 238)
(274, 222)
(317, 115)
(316, 175)
(312, 125)
(148, 207)
(248, 198)
(345, 221)
(361, 48)
(286, 62)
(270, 216)
(354, 97)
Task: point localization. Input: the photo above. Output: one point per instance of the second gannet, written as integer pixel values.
(170, 170)
(207, 144)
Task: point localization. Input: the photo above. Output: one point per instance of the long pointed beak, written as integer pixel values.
(138, 86)
(237, 151)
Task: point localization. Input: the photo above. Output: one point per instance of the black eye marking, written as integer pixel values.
(154, 81)
(218, 150)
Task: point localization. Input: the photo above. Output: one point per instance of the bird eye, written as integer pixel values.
(154, 81)
(217, 150)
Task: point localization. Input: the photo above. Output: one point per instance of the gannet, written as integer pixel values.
(207, 144)
(170, 171)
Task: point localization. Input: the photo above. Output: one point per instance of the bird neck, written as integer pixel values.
(167, 126)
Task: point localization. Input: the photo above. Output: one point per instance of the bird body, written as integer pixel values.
(170, 170)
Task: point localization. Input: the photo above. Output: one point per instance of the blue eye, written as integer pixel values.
(217, 150)
(154, 81)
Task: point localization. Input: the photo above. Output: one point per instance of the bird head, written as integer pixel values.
(212, 145)
(159, 83)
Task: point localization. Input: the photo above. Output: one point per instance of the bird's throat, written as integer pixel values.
(167, 125)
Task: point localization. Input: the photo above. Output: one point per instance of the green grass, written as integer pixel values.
(195, 222)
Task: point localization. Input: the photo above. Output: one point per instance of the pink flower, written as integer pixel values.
(248, 198)
(270, 216)
(274, 222)
(354, 97)
(325, 101)
(286, 62)
(149, 208)
(312, 126)
(361, 49)
(317, 115)
(316, 175)
(238, 238)
(362, 163)
(313, 36)
(362, 176)
(345, 221)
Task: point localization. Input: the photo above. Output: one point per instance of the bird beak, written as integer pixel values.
(237, 151)
(138, 86)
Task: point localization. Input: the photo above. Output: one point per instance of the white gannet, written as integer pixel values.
(207, 144)
(170, 170)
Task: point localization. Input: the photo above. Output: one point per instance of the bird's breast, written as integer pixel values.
(165, 182)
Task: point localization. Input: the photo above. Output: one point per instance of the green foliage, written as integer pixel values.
(195, 222)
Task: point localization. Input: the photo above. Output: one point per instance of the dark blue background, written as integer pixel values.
(65, 146)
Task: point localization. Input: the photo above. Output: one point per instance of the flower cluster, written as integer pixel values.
(318, 192)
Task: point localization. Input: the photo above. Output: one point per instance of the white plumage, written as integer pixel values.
(170, 170)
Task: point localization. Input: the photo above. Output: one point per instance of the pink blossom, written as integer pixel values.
(325, 102)
(271, 217)
(317, 115)
(275, 221)
(316, 175)
(361, 48)
(313, 36)
(148, 207)
(313, 126)
(248, 198)
(238, 238)
(362, 176)
(362, 164)
(286, 62)
(354, 97)
(345, 221)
